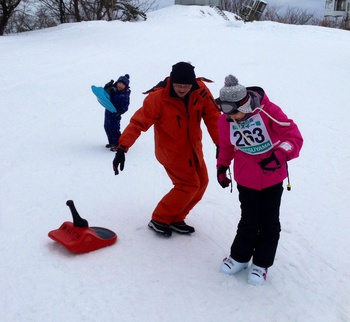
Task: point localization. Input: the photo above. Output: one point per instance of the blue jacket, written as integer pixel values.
(120, 100)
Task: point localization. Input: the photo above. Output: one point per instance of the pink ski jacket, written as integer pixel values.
(248, 142)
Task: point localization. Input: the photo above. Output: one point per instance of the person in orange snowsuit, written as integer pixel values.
(175, 107)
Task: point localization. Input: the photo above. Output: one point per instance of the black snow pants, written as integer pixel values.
(259, 228)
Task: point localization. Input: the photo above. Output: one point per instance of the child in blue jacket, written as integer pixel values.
(119, 93)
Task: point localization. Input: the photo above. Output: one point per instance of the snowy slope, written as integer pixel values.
(52, 149)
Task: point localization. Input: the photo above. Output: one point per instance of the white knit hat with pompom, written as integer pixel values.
(235, 92)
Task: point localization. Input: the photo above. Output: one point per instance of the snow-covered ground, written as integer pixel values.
(52, 149)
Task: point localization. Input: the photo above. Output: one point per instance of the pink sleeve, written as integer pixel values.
(290, 137)
(226, 149)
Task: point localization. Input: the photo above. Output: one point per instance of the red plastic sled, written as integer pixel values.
(78, 237)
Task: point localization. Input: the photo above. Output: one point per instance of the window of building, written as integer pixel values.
(340, 5)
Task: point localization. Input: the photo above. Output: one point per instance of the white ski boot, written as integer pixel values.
(257, 275)
(230, 266)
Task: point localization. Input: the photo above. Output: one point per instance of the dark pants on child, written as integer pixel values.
(112, 127)
(259, 228)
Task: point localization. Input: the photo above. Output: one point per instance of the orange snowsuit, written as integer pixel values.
(178, 143)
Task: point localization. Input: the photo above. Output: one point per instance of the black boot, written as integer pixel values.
(181, 227)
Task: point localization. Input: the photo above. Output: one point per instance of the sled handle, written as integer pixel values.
(77, 220)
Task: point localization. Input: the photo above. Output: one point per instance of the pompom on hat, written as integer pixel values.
(124, 79)
(237, 93)
(183, 73)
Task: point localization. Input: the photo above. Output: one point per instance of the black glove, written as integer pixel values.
(109, 84)
(119, 159)
(223, 180)
(271, 163)
(109, 87)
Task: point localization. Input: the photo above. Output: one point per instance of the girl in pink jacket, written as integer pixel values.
(260, 138)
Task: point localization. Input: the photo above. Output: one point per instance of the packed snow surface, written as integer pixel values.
(52, 149)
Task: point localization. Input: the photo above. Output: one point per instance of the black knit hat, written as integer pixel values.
(183, 73)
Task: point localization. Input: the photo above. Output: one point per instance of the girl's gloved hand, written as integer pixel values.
(223, 180)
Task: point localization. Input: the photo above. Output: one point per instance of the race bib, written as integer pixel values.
(251, 137)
